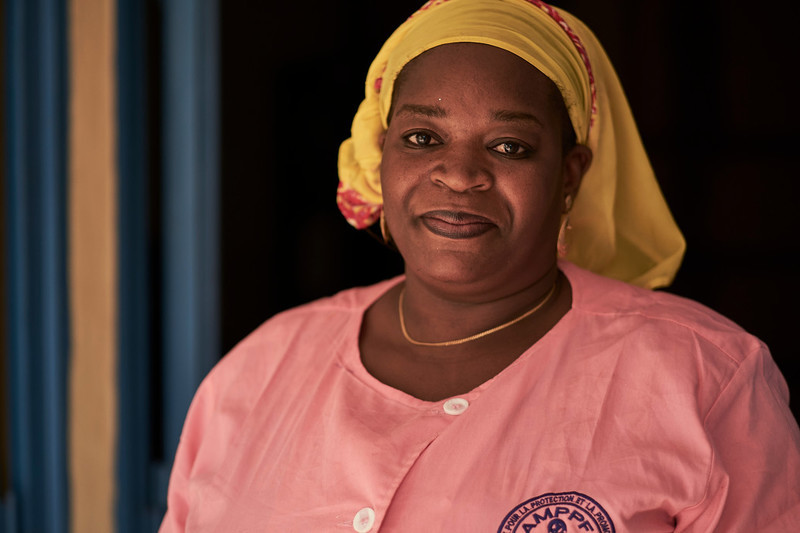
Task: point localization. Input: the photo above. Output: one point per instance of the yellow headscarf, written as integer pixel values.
(621, 225)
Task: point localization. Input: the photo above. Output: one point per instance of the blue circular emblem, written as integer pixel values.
(558, 512)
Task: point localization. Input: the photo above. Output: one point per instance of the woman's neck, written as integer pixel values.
(435, 373)
(435, 312)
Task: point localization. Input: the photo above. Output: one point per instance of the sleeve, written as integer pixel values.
(754, 477)
(198, 419)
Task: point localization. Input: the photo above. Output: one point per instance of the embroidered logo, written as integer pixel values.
(558, 512)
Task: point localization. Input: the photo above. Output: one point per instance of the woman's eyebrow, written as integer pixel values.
(431, 111)
(515, 116)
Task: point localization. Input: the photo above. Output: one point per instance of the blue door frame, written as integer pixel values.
(38, 329)
(188, 273)
(136, 509)
(190, 214)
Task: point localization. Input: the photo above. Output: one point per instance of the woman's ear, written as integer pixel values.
(576, 162)
(382, 139)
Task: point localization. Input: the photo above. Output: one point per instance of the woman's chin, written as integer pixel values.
(456, 273)
(480, 273)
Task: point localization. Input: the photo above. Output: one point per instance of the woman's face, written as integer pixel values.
(474, 174)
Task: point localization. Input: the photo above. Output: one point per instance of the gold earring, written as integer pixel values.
(384, 228)
(568, 203)
(563, 245)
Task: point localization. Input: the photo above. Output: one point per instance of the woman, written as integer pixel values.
(495, 387)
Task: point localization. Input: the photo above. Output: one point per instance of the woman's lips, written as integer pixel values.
(456, 224)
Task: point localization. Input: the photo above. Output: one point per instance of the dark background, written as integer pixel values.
(711, 87)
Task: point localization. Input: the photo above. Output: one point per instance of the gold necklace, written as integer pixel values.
(495, 329)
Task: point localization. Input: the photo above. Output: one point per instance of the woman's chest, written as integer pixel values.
(560, 455)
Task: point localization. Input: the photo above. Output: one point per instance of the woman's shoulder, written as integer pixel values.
(664, 315)
(323, 314)
(670, 342)
(305, 331)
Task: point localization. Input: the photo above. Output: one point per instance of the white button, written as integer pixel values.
(364, 520)
(455, 406)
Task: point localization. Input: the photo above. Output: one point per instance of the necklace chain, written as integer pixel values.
(495, 329)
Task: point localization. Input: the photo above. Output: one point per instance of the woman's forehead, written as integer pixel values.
(461, 67)
(472, 56)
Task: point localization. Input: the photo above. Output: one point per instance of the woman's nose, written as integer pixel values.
(463, 170)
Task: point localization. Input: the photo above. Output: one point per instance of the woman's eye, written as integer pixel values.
(510, 148)
(420, 138)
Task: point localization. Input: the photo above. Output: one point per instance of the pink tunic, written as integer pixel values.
(638, 412)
